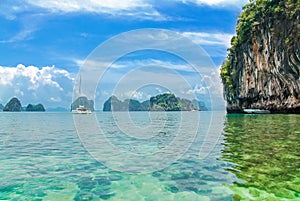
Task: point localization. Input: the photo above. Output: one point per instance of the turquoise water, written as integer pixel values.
(254, 157)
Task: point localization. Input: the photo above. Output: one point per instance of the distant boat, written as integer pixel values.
(81, 110)
(256, 111)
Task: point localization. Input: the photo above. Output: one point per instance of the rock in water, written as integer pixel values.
(161, 102)
(35, 108)
(262, 69)
(14, 105)
(82, 100)
(114, 104)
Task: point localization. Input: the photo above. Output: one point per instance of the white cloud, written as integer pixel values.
(198, 90)
(150, 63)
(219, 3)
(31, 84)
(25, 34)
(205, 38)
(136, 8)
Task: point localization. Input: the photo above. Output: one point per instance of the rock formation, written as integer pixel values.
(14, 105)
(161, 102)
(35, 108)
(114, 104)
(262, 69)
(82, 100)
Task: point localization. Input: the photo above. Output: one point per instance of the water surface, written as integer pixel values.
(255, 158)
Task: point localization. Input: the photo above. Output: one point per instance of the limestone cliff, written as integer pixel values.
(262, 69)
(14, 105)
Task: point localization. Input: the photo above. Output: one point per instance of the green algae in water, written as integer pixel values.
(265, 151)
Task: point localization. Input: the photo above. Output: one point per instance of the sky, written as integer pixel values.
(46, 43)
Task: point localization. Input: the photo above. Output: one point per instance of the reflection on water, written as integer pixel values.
(265, 151)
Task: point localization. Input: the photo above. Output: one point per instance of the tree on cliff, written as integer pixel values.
(14, 105)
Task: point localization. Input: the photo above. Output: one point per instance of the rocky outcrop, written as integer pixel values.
(35, 108)
(161, 102)
(14, 105)
(166, 102)
(83, 101)
(262, 69)
(1, 107)
(114, 104)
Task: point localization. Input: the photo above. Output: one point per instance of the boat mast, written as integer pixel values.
(79, 85)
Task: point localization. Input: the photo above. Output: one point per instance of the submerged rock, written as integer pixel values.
(262, 69)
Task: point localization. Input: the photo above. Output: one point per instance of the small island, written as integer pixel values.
(14, 105)
(161, 102)
(83, 101)
(1, 107)
(35, 108)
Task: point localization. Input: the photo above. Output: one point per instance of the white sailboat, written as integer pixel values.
(81, 109)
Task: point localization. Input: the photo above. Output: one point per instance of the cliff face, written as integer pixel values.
(262, 69)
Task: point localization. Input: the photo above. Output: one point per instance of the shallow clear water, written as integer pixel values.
(255, 157)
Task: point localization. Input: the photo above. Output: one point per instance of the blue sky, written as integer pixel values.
(44, 43)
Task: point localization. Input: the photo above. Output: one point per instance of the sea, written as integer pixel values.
(149, 156)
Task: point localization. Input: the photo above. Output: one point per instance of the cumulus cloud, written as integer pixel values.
(48, 85)
(198, 90)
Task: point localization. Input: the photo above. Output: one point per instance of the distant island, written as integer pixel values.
(14, 105)
(161, 102)
(83, 101)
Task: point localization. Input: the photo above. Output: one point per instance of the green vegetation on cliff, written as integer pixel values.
(260, 11)
(264, 56)
(165, 102)
(255, 13)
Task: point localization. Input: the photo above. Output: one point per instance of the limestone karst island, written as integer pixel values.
(262, 68)
(14, 105)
